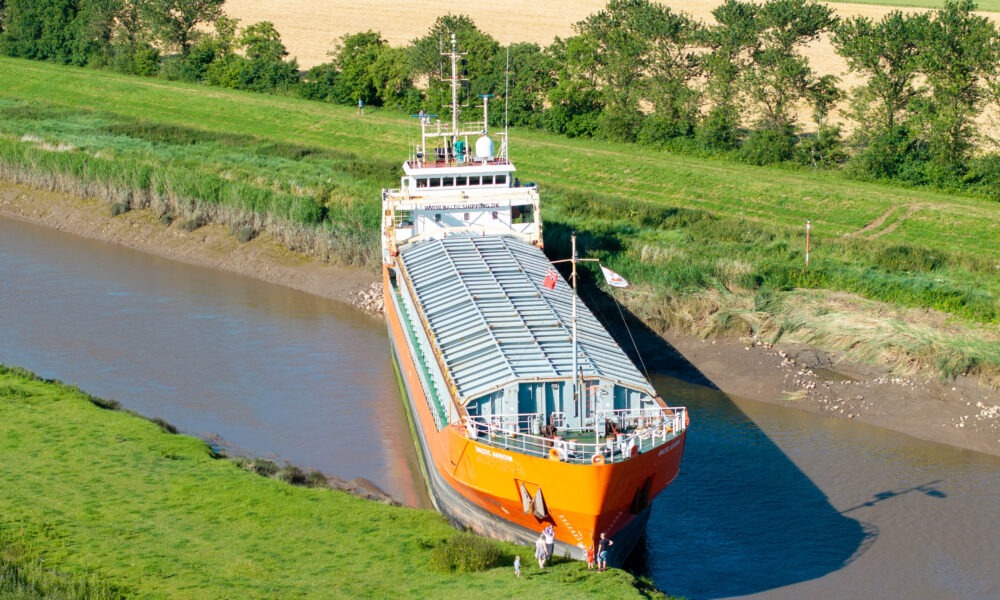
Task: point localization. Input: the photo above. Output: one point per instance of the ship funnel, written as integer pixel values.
(484, 149)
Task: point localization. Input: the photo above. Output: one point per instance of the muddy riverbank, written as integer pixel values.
(960, 413)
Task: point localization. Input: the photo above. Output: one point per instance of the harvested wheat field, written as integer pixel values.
(310, 29)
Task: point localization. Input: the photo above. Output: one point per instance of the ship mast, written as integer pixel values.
(576, 369)
(574, 383)
(454, 89)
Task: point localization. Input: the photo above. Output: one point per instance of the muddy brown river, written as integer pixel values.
(770, 503)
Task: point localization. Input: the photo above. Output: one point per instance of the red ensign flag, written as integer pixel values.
(550, 280)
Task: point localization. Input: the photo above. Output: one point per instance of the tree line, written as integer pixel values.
(635, 71)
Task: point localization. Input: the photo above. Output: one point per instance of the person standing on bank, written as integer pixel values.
(517, 565)
(603, 546)
(550, 541)
(540, 553)
(361, 106)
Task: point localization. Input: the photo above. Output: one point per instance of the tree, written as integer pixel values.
(824, 148)
(319, 83)
(175, 21)
(74, 32)
(887, 53)
(355, 59)
(642, 54)
(530, 76)
(477, 68)
(261, 67)
(393, 79)
(211, 56)
(132, 50)
(40, 29)
(575, 102)
(94, 31)
(729, 42)
(960, 54)
(778, 76)
(267, 69)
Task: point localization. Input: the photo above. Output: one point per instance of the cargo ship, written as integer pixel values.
(525, 411)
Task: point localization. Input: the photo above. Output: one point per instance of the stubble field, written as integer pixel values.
(311, 29)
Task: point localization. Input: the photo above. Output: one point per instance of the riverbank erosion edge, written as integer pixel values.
(960, 412)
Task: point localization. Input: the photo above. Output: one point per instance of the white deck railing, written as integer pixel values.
(619, 434)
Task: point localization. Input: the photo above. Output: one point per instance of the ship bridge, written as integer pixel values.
(505, 339)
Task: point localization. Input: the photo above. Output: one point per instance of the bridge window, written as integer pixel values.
(435, 181)
(501, 179)
(448, 182)
(474, 180)
(461, 181)
(522, 214)
(487, 180)
(422, 182)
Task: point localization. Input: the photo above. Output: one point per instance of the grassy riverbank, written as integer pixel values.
(712, 247)
(99, 503)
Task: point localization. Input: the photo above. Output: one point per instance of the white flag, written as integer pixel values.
(613, 279)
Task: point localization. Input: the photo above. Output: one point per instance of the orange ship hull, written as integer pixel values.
(479, 485)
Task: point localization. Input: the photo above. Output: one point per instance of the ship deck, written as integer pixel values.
(493, 321)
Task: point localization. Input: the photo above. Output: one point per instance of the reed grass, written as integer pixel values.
(100, 503)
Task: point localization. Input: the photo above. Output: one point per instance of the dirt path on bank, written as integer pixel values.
(960, 413)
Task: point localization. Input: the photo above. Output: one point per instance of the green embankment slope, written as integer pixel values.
(710, 246)
(981, 5)
(100, 503)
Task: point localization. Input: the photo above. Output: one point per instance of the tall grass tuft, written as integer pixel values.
(165, 425)
(24, 575)
(466, 553)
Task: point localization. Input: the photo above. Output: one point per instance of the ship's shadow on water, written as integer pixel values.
(740, 518)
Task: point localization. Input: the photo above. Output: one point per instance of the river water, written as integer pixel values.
(770, 503)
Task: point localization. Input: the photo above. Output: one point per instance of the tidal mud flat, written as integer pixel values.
(960, 412)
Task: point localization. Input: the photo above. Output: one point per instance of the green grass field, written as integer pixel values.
(100, 503)
(981, 5)
(712, 246)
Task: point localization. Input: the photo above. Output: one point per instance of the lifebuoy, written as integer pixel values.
(597, 459)
(633, 451)
(554, 454)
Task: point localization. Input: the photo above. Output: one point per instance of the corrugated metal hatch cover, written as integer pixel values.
(495, 322)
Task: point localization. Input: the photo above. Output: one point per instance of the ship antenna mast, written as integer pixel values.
(576, 371)
(506, 99)
(574, 384)
(454, 90)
